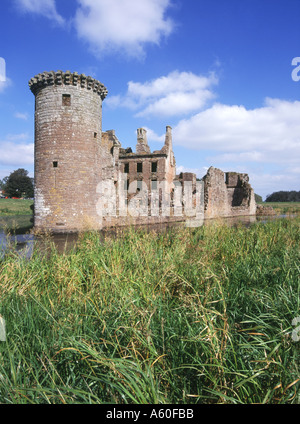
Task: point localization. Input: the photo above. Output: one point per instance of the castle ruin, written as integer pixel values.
(85, 179)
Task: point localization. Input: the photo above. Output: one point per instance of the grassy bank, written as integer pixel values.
(13, 207)
(15, 216)
(284, 207)
(188, 316)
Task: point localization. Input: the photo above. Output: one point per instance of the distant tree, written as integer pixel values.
(2, 183)
(258, 198)
(284, 196)
(18, 184)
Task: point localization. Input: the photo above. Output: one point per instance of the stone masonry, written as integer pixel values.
(68, 156)
(227, 194)
(80, 171)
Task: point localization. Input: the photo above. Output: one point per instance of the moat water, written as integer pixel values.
(23, 242)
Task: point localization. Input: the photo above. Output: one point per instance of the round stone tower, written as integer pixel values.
(68, 131)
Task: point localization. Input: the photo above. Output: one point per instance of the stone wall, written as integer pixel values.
(227, 194)
(80, 171)
(215, 194)
(68, 132)
(144, 166)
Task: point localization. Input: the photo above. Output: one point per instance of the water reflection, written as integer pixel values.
(24, 244)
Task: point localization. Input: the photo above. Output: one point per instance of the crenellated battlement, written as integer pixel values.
(60, 78)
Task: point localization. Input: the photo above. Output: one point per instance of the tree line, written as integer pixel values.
(18, 184)
(284, 196)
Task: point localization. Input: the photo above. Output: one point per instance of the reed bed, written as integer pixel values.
(185, 316)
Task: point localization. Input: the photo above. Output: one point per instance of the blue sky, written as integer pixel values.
(218, 71)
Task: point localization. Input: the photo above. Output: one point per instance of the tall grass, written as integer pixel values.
(186, 316)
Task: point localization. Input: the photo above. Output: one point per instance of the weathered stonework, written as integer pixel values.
(146, 166)
(262, 210)
(227, 194)
(68, 156)
(81, 174)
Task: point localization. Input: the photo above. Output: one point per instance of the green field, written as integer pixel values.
(284, 207)
(12, 207)
(15, 215)
(187, 316)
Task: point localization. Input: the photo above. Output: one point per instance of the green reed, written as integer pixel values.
(185, 316)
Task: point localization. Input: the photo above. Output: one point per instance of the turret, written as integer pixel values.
(68, 132)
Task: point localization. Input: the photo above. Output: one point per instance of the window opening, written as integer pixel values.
(154, 167)
(66, 100)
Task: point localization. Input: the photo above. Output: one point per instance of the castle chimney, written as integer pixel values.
(142, 143)
(168, 139)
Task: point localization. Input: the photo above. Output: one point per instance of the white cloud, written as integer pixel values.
(267, 134)
(263, 142)
(265, 183)
(16, 154)
(173, 82)
(178, 93)
(2, 70)
(122, 25)
(178, 103)
(200, 172)
(4, 80)
(23, 116)
(111, 26)
(152, 136)
(253, 156)
(45, 8)
(17, 137)
(5, 84)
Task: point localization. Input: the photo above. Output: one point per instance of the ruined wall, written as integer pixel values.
(142, 142)
(146, 180)
(227, 194)
(241, 198)
(110, 152)
(215, 194)
(79, 169)
(170, 164)
(68, 127)
(144, 166)
(140, 168)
